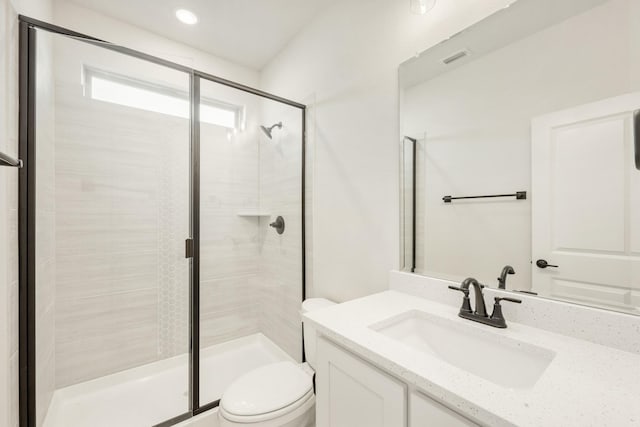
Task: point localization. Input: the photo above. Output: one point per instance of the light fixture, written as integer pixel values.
(420, 7)
(186, 17)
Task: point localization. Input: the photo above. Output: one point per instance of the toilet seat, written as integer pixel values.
(266, 393)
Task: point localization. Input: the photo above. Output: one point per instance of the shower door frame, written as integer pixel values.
(27, 210)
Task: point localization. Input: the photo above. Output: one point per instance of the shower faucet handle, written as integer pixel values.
(278, 224)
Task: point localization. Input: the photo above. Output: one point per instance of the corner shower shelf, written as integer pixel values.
(253, 213)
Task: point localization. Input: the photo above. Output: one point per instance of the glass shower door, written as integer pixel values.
(250, 274)
(112, 215)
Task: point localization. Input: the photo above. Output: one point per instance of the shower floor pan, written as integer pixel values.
(153, 393)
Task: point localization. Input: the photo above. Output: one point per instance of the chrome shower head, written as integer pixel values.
(267, 130)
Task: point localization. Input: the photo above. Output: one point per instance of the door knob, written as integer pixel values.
(542, 263)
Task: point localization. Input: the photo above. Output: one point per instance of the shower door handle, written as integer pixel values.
(188, 248)
(636, 137)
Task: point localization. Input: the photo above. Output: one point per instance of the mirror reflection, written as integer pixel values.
(520, 148)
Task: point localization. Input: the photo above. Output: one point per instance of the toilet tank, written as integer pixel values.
(309, 331)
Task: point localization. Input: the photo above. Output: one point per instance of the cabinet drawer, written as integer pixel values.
(426, 412)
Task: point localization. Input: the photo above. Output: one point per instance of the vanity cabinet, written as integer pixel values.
(352, 393)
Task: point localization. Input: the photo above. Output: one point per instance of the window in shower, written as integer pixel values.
(131, 92)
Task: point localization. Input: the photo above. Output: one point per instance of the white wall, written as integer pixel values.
(38, 9)
(347, 59)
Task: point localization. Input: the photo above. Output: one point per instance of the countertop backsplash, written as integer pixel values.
(608, 328)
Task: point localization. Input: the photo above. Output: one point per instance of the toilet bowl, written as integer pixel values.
(276, 395)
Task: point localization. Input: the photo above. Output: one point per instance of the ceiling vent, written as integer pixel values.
(456, 56)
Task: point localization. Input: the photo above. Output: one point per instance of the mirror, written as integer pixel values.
(520, 147)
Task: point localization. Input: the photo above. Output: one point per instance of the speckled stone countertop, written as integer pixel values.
(585, 384)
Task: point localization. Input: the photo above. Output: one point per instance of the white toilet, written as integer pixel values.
(276, 395)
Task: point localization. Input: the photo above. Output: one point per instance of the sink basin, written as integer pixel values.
(502, 360)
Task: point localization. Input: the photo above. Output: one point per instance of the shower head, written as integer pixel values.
(267, 130)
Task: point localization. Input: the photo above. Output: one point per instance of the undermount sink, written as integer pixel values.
(502, 360)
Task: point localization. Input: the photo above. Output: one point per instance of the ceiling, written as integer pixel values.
(521, 19)
(247, 32)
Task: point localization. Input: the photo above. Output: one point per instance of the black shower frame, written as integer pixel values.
(27, 211)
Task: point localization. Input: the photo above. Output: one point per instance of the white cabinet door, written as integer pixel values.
(586, 204)
(352, 393)
(426, 412)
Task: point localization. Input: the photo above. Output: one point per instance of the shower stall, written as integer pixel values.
(150, 277)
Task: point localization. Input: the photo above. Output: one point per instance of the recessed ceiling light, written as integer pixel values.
(186, 17)
(420, 7)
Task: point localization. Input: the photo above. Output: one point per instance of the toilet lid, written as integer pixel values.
(266, 389)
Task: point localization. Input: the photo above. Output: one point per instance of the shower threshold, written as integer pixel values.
(152, 393)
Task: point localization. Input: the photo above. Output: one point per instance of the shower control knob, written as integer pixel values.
(278, 224)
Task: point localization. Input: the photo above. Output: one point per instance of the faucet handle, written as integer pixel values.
(463, 290)
(514, 300)
(466, 302)
(496, 317)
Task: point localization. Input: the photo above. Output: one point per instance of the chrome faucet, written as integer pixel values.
(502, 280)
(480, 313)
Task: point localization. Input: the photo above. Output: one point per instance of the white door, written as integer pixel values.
(352, 393)
(586, 204)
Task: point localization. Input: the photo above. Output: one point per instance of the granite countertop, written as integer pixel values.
(585, 384)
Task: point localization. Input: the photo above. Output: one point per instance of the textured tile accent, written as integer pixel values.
(173, 268)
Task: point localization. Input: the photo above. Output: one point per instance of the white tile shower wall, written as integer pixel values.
(280, 275)
(122, 193)
(348, 57)
(8, 217)
(228, 242)
(122, 205)
(122, 216)
(229, 303)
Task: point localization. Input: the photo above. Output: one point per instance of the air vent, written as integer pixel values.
(456, 56)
